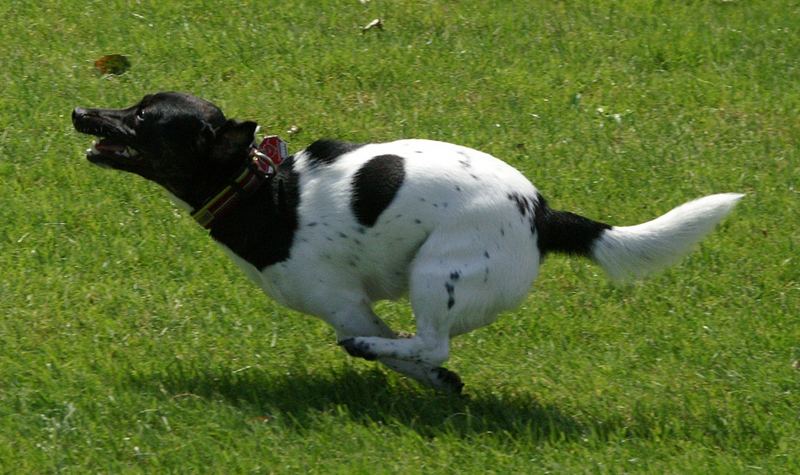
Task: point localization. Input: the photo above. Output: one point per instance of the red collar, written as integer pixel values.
(262, 164)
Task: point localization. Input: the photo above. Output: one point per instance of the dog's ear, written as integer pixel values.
(232, 139)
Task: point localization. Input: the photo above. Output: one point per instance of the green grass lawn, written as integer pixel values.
(129, 343)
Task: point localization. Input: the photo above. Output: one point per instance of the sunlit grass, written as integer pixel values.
(128, 341)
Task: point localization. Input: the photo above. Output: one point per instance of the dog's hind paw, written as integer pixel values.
(447, 380)
(358, 349)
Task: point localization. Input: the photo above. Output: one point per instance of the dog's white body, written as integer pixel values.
(451, 239)
(446, 218)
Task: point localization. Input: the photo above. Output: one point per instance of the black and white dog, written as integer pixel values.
(340, 225)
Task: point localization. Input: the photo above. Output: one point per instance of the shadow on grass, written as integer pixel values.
(368, 397)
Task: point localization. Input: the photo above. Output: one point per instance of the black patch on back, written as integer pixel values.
(375, 185)
(261, 228)
(327, 151)
(562, 231)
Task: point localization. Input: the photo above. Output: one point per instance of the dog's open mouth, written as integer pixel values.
(110, 148)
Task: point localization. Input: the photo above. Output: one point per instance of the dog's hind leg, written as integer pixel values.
(360, 321)
(460, 280)
(428, 348)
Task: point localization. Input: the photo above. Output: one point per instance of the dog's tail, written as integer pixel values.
(630, 252)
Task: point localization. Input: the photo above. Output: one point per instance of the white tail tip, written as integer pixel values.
(630, 252)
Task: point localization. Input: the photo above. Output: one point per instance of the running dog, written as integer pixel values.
(340, 225)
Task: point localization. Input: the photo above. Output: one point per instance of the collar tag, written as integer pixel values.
(274, 148)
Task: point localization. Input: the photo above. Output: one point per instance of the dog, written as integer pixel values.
(339, 225)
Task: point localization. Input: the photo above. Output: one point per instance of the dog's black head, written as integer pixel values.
(181, 142)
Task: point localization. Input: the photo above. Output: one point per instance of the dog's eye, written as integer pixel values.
(139, 115)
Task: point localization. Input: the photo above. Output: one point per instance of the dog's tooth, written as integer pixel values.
(93, 150)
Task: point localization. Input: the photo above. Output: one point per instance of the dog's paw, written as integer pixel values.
(447, 380)
(358, 349)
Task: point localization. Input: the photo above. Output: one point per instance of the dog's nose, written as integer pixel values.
(78, 113)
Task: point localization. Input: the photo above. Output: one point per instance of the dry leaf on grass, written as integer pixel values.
(112, 64)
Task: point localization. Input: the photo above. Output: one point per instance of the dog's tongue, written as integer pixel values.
(108, 146)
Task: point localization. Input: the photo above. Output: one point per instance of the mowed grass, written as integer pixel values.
(129, 343)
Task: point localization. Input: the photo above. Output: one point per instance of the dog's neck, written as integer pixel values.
(191, 189)
(256, 171)
(261, 228)
(220, 186)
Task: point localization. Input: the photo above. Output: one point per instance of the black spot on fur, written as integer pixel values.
(465, 161)
(375, 185)
(451, 299)
(525, 206)
(358, 349)
(417, 221)
(450, 379)
(261, 228)
(486, 254)
(455, 275)
(326, 151)
(562, 231)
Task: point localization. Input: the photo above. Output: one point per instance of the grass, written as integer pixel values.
(129, 343)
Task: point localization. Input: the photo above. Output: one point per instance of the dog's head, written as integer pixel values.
(180, 141)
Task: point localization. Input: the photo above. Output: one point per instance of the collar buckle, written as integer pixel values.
(261, 164)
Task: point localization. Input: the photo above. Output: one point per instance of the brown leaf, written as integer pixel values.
(112, 64)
